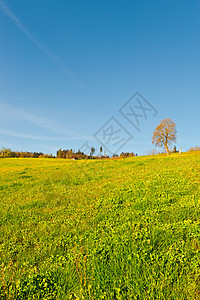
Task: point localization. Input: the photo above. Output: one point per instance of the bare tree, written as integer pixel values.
(101, 150)
(92, 151)
(164, 134)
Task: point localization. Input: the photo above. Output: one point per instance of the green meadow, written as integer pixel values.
(100, 229)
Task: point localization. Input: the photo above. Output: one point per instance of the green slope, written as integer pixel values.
(110, 229)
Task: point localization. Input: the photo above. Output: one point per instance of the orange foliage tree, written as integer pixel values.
(164, 134)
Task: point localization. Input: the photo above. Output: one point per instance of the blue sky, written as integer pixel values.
(67, 67)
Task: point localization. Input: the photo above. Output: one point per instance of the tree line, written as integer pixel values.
(6, 152)
(81, 155)
(65, 154)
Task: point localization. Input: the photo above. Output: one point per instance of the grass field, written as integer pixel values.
(100, 229)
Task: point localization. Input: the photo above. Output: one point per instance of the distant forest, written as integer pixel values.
(72, 154)
(65, 154)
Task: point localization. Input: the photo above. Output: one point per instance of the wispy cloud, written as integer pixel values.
(7, 11)
(14, 113)
(19, 114)
(36, 137)
(30, 136)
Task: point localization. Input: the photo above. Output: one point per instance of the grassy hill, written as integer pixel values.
(110, 229)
